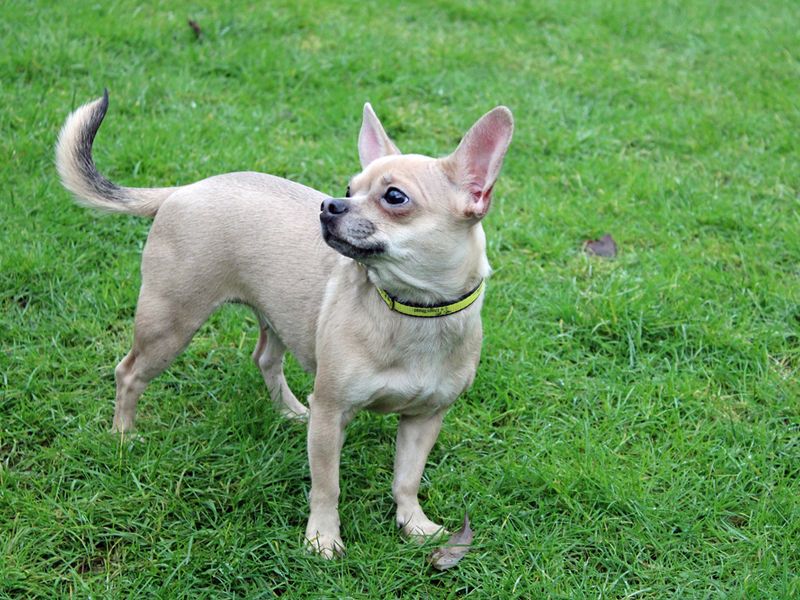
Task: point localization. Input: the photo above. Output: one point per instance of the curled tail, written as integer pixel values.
(80, 176)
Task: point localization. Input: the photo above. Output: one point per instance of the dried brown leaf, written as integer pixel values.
(605, 247)
(196, 28)
(448, 556)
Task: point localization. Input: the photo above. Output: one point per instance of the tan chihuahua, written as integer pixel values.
(386, 312)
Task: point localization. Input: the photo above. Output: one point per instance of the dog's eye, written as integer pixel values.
(347, 193)
(395, 197)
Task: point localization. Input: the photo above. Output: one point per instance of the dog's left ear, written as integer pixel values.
(477, 161)
(373, 142)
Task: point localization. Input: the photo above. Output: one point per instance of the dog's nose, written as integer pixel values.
(333, 206)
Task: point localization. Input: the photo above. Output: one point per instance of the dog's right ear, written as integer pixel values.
(373, 142)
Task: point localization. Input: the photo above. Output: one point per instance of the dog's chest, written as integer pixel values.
(421, 369)
(368, 357)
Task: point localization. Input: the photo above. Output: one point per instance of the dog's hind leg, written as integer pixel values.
(163, 329)
(268, 356)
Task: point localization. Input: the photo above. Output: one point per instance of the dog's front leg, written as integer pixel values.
(325, 439)
(415, 438)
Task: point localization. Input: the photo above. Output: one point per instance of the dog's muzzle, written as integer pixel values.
(347, 236)
(332, 208)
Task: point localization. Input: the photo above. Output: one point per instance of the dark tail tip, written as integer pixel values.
(93, 124)
(83, 151)
(102, 108)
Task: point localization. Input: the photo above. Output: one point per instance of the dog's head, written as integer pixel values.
(414, 221)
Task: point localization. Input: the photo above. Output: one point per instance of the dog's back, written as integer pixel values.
(212, 239)
(244, 237)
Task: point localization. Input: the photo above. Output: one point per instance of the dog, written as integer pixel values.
(378, 293)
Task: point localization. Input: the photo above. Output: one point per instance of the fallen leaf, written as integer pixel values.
(605, 247)
(196, 28)
(448, 556)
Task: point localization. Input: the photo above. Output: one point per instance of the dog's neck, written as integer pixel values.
(446, 281)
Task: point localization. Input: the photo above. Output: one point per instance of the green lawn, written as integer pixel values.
(634, 428)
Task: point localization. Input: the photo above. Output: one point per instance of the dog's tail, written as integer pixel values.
(80, 176)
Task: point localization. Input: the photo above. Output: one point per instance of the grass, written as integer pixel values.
(634, 429)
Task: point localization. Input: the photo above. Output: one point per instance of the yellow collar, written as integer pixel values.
(441, 310)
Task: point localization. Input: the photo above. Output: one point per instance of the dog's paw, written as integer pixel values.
(327, 546)
(416, 526)
(125, 438)
(298, 413)
(122, 424)
(322, 534)
(123, 431)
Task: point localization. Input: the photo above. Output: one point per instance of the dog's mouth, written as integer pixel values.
(349, 249)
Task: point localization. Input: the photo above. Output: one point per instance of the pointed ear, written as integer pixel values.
(372, 140)
(477, 160)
